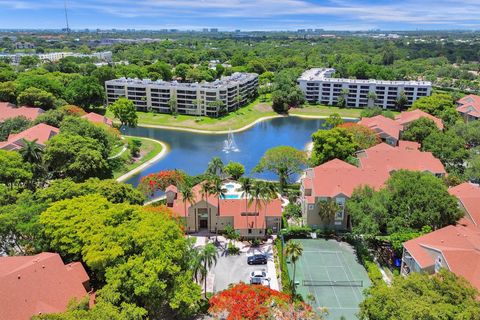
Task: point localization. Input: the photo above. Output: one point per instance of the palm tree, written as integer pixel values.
(342, 98)
(327, 210)
(218, 191)
(205, 190)
(31, 151)
(293, 251)
(258, 190)
(372, 96)
(246, 186)
(215, 167)
(269, 193)
(187, 196)
(207, 258)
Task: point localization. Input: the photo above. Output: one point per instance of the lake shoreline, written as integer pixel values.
(246, 127)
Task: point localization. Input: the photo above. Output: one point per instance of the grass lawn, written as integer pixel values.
(148, 150)
(233, 120)
(321, 110)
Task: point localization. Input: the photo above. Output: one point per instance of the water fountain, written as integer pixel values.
(229, 144)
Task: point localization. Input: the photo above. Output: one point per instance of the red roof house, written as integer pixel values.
(456, 248)
(468, 195)
(224, 211)
(337, 179)
(40, 284)
(406, 117)
(469, 107)
(387, 129)
(40, 133)
(97, 118)
(8, 110)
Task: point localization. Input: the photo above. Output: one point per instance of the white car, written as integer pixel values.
(258, 274)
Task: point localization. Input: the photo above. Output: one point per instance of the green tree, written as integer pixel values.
(402, 100)
(13, 125)
(35, 97)
(330, 144)
(372, 97)
(138, 253)
(333, 121)
(472, 172)
(286, 93)
(342, 98)
(160, 70)
(124, 110)
(218, 190)
(246, 187)
(234, 169)
(103, 73)
(13, 170)
(293, 251)
(76, 157)
(449, 148)
(29, 61)
(207, 258)
(186, 192)
(85, 92)
(327, 210)
(421, 296)
(368, 210)
(419, 129)
(181, 70)
(284, 161)
(215, 167)
(173, 105)
(8, 91)
(206, 190)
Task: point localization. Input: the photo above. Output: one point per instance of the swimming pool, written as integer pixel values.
(231, 196)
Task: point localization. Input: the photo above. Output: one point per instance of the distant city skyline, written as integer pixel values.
(228, 15)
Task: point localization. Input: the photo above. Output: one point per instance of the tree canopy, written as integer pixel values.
(421, 296)
(330, 144)
(124, 110)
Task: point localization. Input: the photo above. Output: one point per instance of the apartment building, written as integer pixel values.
(201, 99)
(319, 87)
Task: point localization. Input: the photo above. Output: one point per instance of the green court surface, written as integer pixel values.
(327, 262)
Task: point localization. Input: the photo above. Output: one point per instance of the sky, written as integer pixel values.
(245, 15)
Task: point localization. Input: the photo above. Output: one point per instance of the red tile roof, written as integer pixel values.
(8, 110)
(395, 158)
(406, 117)
(40, 284)
(41, 132)
(459, 245)
(337, 177)
(469, 105)
(469, 195)
(381, 124)
(97, 118)
(408, 145)
(232, 208)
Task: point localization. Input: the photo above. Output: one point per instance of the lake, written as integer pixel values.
(191, 152)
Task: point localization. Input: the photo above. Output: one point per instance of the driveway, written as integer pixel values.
(234, 268)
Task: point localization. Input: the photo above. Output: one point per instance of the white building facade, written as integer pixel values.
(319, 87)
(201, 99)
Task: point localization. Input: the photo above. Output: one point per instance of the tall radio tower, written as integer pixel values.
(66, 16)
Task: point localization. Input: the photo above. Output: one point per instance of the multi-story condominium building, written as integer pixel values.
(202, 99)
(56, 56)
(319, 87)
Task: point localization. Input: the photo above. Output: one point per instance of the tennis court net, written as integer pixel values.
(355, 283)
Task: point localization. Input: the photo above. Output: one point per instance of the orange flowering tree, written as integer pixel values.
(73, 110)
(252, 302)
(160, 181)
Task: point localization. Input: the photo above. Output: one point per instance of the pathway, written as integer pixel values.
(138, 169)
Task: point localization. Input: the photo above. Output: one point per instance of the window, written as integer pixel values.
(311, 207)
(249, 231)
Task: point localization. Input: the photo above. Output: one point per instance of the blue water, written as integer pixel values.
(191, 152)
(231, 196)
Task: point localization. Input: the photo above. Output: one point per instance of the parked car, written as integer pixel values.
(260, 281)
(257, 259)
(258, 274)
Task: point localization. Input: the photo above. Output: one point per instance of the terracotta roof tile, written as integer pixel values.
(37, 284)
(469, 196)
(470, 105)
(8, 110)
(406, 117)
(97, 118)
(41, 133)
(381, 124)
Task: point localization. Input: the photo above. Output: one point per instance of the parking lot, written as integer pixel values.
(234, 268)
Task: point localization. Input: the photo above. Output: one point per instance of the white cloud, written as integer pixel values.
(446, 13)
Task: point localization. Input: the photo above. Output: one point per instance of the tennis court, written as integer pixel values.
(328, 270)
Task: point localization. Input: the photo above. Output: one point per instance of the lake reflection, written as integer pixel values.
(191, 152)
